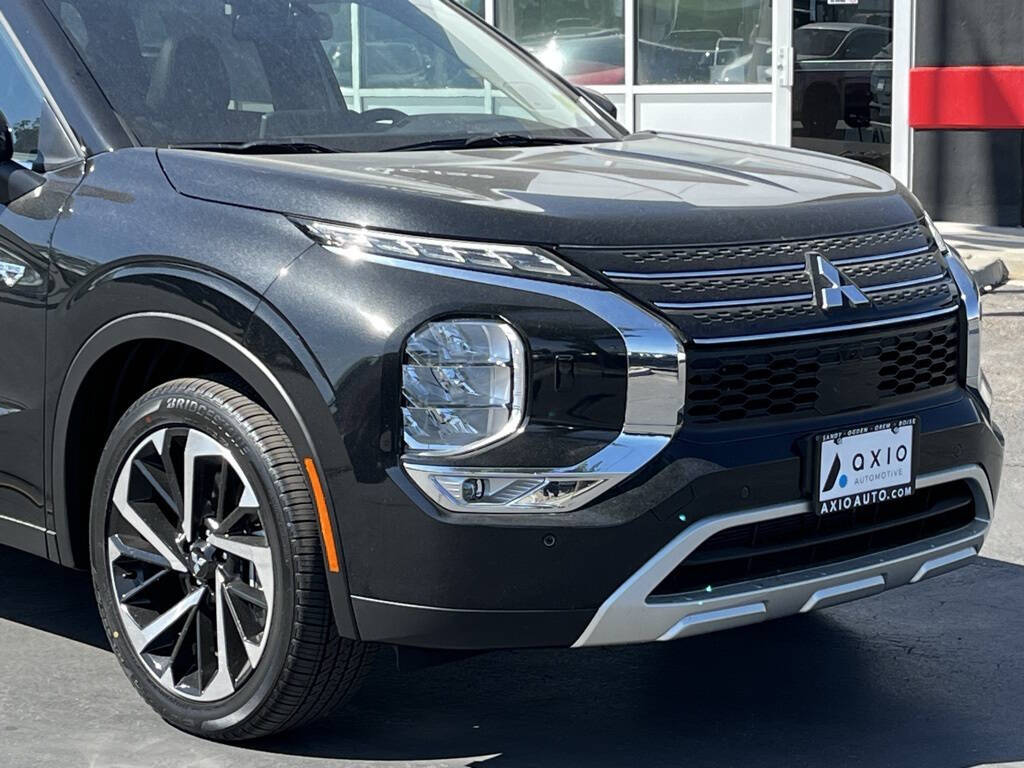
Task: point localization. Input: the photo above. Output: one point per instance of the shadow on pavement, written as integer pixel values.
(931, 675)
(40, 594)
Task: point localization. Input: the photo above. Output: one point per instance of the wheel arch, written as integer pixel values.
(231, 355)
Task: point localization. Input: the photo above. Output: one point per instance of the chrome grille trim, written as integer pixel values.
(801, 297)
(883, 257)
(903, 284)
(759, 270)
(735, 302)
(827, 329)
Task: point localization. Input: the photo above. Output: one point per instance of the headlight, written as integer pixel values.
(463, 386)
(356, 243)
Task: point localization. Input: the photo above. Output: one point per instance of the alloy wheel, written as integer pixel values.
(190, 564)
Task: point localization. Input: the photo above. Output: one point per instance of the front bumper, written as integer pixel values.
(454, 583)
(631, 614)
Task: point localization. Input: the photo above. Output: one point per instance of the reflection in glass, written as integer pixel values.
(476, 6)
(842, 84)
(704, 41)
(582, 40)
(376, 75)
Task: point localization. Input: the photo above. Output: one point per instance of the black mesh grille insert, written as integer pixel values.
(798, 542)
(739, 255)
(816, 375)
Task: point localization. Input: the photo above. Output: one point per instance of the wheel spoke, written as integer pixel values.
(192, 512)
(224, 679)
(182, 637)
(150, 524)
(159, 481)
(149, 633)
(251, 548)
(251, 595)
(131, 594)
(121, 548)
(256, 551)
(222, 488)
(234, 518)
(252, 648)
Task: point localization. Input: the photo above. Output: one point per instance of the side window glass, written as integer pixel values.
(20, 101)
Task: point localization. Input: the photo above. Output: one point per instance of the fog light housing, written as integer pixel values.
(463, 388)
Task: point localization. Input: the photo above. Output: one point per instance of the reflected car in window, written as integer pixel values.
(832, 78)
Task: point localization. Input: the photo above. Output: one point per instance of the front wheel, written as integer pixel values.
(208, 571)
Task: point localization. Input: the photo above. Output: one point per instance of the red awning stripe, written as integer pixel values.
(967, 98)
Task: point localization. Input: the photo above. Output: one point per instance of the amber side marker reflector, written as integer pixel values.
(325, 521)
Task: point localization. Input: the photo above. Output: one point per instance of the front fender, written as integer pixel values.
(226, 322)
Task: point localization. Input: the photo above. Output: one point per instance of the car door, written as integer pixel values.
(26, 224)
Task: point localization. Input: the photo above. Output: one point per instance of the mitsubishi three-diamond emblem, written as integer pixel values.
(831, 288)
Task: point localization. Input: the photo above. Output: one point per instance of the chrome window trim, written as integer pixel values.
(20, 51)
(827, 329)
(655, 390)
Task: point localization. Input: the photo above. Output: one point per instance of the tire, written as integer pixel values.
(226, 630)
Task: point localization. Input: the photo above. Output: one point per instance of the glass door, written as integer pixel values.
(842, 77)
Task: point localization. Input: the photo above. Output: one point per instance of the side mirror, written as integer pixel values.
(6, 140)
(600, 101)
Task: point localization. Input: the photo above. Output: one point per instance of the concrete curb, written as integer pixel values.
(981, 245)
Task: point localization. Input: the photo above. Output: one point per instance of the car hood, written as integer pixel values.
(645, 190)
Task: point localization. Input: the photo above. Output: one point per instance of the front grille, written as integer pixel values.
(717, 292)
(799, 542)
(728, 383)
(742, 255)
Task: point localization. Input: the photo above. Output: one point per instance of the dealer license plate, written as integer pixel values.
(865, 465)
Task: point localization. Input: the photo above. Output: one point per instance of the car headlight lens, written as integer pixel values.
(463, 386)
(357, 243)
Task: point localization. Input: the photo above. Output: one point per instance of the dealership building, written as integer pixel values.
(931, 90)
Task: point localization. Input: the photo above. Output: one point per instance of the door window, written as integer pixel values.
(21, 102)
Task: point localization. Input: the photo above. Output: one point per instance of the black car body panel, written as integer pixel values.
(202, 254)
(647, 190)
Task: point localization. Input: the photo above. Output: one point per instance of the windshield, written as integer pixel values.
(375, 75)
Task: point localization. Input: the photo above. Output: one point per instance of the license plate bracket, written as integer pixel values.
(865, 465)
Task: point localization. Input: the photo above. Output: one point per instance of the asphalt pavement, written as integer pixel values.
(924, 676)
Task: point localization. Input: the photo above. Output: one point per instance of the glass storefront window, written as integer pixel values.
(842, 83)
(476, 6)
(582, 40)
(703, 41)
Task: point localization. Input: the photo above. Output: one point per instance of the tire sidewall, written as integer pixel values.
(171, 406)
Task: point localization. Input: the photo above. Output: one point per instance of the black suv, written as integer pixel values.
(300, 362)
